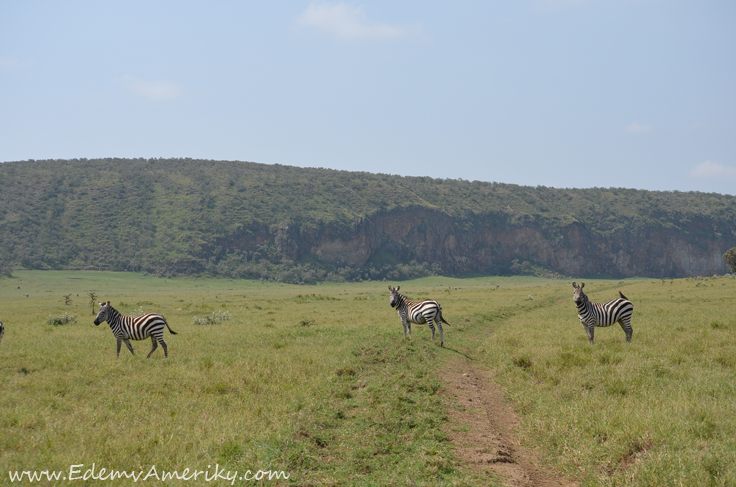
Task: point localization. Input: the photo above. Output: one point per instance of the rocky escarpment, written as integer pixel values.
(491, 244)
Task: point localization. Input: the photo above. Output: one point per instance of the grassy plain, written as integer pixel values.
(317, 381)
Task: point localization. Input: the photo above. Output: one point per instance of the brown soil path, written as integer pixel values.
(482, 429)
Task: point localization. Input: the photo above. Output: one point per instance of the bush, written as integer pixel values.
(217, 317)
(138, 312)
(61, 320)
(730, 258)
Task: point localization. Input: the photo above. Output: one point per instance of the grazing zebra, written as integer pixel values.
(127, 328)
(603, 314)
(428, 311)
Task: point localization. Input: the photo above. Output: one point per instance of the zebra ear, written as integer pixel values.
(582, 285)
(108, 303)
(574, 285)
(398, 287)
(389, 287)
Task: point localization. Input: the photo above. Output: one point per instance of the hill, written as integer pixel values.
(242, 219)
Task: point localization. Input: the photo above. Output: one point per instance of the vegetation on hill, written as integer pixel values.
(177, 216)
(730, 258)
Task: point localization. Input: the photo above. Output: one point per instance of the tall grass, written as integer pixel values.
(658, 411)
(340, 400)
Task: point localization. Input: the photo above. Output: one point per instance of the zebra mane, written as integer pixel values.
(112, 312)
(405, 299)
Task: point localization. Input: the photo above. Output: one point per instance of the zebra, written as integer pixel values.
(603, 314)
(428, 311)
(127, 328)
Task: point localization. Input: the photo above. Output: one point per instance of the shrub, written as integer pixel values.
(64, 319)
(730, 258)
(138, 312)
(217, 317)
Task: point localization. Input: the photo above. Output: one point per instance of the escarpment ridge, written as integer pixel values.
(273, 222)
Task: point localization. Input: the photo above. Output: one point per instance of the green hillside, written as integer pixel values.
(181, 216)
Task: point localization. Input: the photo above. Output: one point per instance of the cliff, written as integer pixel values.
(489, 244)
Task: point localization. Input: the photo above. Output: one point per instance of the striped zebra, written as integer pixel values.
(603, 314)
(428, 311)
(127, 328)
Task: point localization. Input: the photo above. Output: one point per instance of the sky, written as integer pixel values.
(561, 93)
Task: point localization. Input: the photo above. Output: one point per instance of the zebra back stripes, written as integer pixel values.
(428, 311)
(603, 314)
(127, 328)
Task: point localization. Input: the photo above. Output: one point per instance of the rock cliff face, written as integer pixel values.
(487, 244)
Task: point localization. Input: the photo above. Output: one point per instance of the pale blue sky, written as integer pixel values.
(563, 93)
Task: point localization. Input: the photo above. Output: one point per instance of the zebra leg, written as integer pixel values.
(626, 325)
(590, 330)
(442, 338)
(130, 347)
(155, 346)
(119, 343)
(407, 326)
(163, 345)
(431, 327)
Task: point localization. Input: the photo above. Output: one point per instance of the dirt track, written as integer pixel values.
(482, 430)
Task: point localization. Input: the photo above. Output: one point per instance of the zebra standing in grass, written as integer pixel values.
(127, 328)
(428, 311)
(603, 314)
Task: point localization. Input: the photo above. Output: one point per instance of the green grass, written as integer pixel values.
(658, 411)
(318, 381)
(300, 380)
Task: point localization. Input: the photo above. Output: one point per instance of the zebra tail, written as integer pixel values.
(445, 321)
(170, 330)
(622, 295)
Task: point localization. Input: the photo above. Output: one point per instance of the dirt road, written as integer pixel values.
(482, 429)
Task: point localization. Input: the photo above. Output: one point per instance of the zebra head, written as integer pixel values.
(579, 296)
(103, 313)
(394, 299)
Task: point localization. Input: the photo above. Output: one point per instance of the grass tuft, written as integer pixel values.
(522, 361)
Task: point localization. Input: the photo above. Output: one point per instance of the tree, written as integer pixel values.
(730, 258)
(6, 264)
(67, 299)
(92, 301)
